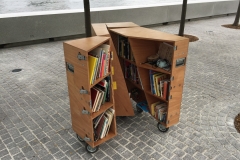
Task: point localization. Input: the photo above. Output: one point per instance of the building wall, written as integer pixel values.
(30, 26)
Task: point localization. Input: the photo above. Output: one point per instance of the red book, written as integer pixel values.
(103, 64)
(165, 87)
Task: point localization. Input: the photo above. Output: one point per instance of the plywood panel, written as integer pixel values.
(147, 34)
(142, 49)
(81, 124)
(121, 25)
(88, 44)
(99, 29)
(123, 103)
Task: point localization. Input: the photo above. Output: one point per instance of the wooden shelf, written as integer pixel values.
(132, 62)
(110, 135)
(135, 84)
(160, 98)
(99, 80)
(102, 109)
(157, 69)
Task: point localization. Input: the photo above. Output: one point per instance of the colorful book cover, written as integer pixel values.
(92, 61)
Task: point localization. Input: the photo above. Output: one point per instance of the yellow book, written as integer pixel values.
(154, 82)
(92, 62)
(157, 84)
(152, 107)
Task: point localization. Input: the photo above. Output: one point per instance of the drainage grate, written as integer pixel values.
(17, 70)
(237, 122)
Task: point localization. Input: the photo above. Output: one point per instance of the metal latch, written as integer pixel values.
(85, 112)
(82, 91)
(81, 57)
(70, 67)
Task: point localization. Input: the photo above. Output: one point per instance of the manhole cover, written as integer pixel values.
(16, 70)
(237, 122)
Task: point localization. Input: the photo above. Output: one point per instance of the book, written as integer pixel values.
(159, 83)
(106, 48)
(94, 97)
(97, 120)
(103, 64)
(108, 89)
(92, 61)
(103, 131)
(153, 107)
(98, 54)
(99, 100)
(110, 115)
(98, 129)
(103, 85)
(154, 83)
(165, 88)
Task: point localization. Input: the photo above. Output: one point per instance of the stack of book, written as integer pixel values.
(100, 94)
(131, 72)
(159, 111)
(102, 123)
(159, 84)
(124, 48)
(99, 60)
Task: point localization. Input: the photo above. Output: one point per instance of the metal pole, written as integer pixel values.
(237, 16)
(183, 17)
(87, 17)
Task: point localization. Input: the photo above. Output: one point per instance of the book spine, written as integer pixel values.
(165, 88)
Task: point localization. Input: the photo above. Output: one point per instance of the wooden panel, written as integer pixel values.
(141, 96)
(142, 49)
(147, 34)
(81, 124)
(123, 103)
(121, 25)
(88, 44)
(80, 71)
(99, 29)
(173, 114)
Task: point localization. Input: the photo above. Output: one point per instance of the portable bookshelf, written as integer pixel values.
(143, 43)
(123, 104)
(76, 54)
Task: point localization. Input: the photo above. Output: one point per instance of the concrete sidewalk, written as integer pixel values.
(35, 120)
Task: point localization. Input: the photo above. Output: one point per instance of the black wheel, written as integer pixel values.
(139, 110)
(90, 149)
(162, 128)
(79, 138)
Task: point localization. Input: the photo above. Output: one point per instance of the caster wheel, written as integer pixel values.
(139, 110)
(162, 128)
(90, 149)
(79, 138)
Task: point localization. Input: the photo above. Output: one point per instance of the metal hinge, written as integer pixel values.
(174, 48)
(169, 97)
(168, 122)
(81, 57)
(172, 78)
(86, 139)
(85, 112)
(82, 91)
(90, 104)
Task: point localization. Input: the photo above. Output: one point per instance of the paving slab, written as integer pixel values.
(35, 120)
